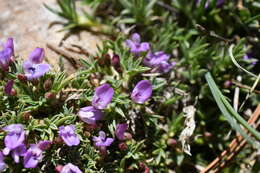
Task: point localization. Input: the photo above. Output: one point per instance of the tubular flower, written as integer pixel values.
(120, 131)
(142, 91)
(90, 114)
(33, 67)
(14, 138)
(154, 59)
(103, 96)
(34, 154)
(135, 44)
(159, 61)
(6, 54)
(68, 135)
(8, 87)
(102, 141)
(70, 168)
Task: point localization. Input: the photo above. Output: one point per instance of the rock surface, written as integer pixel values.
(28, 22)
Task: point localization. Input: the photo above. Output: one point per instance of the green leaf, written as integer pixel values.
(229, 113)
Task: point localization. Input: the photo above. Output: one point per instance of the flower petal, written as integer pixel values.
(8, 87)
(40, 70)
(120, 130)
(136, 38)
(90, 114)
(103, 96)
(37, 55)
(142, 91)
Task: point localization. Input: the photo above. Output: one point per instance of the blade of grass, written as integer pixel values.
(224, 110)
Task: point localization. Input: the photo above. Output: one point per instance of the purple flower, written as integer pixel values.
(32, 156)
(165, 67)
(8, 87)
(248, 57)
(6, 54)
(2, 163)
(159, 61)
(68, 135)
(142, 91)
(102, 141)
(17, 152)
(154, 59)
(120, 131)
(44, 145)
(34, 71)
(90, 114)
(33, 67)
(37, 55)
(14, 138)
(135, 44)
(103, 96)
(70, 168)
(218, 4)
(9, 44)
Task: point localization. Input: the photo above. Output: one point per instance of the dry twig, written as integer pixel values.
(73, 60)
(234, 147)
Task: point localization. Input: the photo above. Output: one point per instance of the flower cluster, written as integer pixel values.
(15, 139)
(15, 145)
(158, 61)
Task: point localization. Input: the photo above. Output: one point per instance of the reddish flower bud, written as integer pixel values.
(207, 135)
(58, 168)
(116, 63)
(122, 146)
(172, 142)
(57, 140)
(47, 84)
(227, 83)
(13, 92)
(107, 59)
(22, 77)
(147, 169)
(50, 95)
(26, 116)
(142, 165)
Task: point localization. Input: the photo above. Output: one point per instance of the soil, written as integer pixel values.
(29, 23)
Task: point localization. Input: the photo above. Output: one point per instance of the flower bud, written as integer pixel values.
(172, 142)
(207, 135)
(122, 146)
(47, 84)
(26, 116)
(13, 92)
(128, 136)
(115, 61)
(107, 59)
(58, 168)
(227, 83)
(142, 165)
(57, 140)
(22, 77)
(50, 95)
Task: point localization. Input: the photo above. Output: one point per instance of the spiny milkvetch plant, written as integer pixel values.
(141, 103)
